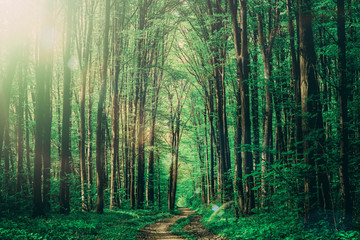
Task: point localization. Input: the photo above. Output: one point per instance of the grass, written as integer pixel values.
(121, 224)
(177, 228)
(273, 225)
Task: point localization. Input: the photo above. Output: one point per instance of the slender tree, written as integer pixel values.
(99, 125)
(244, 166)
(266, 51)
(20, 180)
(344, 93)
(66, 124)
(84, 53)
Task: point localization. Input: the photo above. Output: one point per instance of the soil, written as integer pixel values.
(161, 229)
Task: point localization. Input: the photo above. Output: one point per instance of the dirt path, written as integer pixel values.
(161, 229)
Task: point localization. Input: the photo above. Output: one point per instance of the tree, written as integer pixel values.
(99, 125)
(344, 93)
(84, 50)
(20, 180)
(179, 91)
(266, 51)
(243, 128)
(218, 57)
(312, 122)
(43, 121)
(117, 51)
(141, 88)
(156, 86)
(66, 124)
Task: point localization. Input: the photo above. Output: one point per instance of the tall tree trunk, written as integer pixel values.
(312, 122)
(175, 120)
(20, 177)
(38, 209)
(242, 57)
(114, 138)
(100, 141)
(217, 60)
(43, 124)
(5, 90)
(27, 137)
(114, 141)
(7, 156)
(85, 55)
(66, 125)
(132, 155)
(255, 110)
(266, 49)
(47, 126)
(208, 175)
(210, 112)
(132, 133)
(344, 93)
(295, 73)
(155, 99)
(89, 147)
(174, 159)
(127, 150)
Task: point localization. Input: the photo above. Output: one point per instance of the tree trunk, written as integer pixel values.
(5, 90)
(66, 125)
(100, 141)
(295, 73)
(243, 61)
(255, 110)
(155, 100)
(208, 181)
(89, 148)
(312, 123)
(266, 49)
(38, 209)
(20, 177)
(47, 129)
(344, 93)
(7, 156)
(27, 137)
(84, 74)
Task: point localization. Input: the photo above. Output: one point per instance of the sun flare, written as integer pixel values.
(19, 19)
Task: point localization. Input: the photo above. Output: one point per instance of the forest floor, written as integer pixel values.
(194, 229)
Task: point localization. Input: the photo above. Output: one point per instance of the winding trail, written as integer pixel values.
(161, 229)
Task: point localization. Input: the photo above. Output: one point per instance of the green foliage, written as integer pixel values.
(180, 224)
(275, 224)
(122, 224)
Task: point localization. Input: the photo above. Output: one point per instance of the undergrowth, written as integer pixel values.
(267, 225)
(121, 224)
(177, 228)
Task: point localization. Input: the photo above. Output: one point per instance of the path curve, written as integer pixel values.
(161, 229)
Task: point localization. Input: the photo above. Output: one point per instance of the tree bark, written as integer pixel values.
(312, 122)
(100, 108)
(66, 125)
(246, 199)
(155, 100)
(344, 93)
(89, 147)
(20, 177)
(85, 55)
(266, 49)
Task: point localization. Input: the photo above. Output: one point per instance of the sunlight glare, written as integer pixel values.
(73, 63)
(19, 18)
(48, 37)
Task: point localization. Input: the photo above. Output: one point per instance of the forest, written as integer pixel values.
(115, 114)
